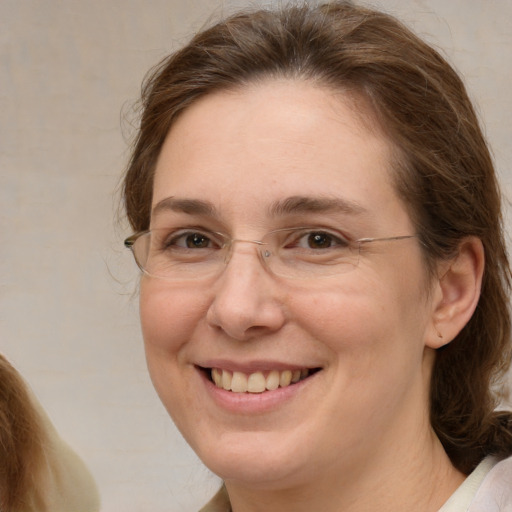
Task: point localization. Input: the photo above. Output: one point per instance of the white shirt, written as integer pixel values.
(487, 489)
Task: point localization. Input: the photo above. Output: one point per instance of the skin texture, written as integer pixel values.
(356, 435)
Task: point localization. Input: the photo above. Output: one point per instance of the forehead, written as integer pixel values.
(272, 140)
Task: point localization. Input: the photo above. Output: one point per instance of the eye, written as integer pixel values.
(195, 241)
(319, 240)
(191, 240)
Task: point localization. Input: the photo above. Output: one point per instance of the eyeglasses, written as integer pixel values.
(295, 253)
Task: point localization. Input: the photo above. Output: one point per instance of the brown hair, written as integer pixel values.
(444, 171)
(21, 441)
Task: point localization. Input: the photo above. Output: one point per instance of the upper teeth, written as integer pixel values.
(256, 382)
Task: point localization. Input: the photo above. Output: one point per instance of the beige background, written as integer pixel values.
(68, 313)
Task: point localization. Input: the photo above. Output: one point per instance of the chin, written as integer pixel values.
(258, 460)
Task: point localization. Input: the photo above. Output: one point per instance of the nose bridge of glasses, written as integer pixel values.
(231, 244)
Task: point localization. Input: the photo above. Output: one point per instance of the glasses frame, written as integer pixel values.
(132, 239)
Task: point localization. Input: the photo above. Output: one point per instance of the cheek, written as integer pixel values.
(370, 317)
(375, 335)
(169, 316)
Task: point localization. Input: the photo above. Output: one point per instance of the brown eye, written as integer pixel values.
(305, 239)
(181, 240)
(320, 241)
(196, 241)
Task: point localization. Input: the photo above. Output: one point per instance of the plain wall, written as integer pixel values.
(68, 304)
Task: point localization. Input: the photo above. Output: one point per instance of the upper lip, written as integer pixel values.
(249, 367)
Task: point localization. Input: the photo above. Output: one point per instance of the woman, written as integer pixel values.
(324, 301)
(38, 471)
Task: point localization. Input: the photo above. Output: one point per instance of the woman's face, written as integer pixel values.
(265, 157)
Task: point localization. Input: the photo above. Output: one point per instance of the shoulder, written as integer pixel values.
(495, 492)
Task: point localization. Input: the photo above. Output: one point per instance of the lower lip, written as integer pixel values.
(254, 403)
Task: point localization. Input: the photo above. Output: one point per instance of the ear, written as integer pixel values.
(456, 292)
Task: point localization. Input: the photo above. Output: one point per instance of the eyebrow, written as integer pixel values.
(306, 204)
(290, 205)
(188, 206)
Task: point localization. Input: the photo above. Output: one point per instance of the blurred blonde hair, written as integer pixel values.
(21, 445)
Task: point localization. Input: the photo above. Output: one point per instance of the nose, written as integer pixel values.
(246, 301)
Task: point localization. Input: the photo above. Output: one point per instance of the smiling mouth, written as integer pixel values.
(257, 382)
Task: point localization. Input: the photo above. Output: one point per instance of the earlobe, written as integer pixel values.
(457, 291)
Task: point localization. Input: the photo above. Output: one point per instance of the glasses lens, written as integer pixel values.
(180, 255)
(309, 253)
